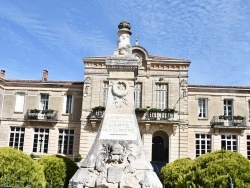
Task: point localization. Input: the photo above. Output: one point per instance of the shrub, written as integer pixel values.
(101, 108)
(215, 169)
(154, 110)
(142, 110)
(58, 169)
(17, 166)
(174, 174)
(77, 158)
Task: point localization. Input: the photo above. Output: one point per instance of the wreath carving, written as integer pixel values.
(120, 88)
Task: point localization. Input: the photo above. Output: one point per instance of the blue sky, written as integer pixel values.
(55, 35)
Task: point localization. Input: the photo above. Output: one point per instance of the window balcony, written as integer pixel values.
(97, 112)
(161, 115)
(167, 115)
(41, 115)
(228, 122)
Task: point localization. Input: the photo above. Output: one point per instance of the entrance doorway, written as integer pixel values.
(160, 147)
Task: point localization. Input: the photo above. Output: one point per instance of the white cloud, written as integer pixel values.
(211, 33)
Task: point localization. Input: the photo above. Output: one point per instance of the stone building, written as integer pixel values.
(176, 119)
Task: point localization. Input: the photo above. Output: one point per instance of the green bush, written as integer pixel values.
(17, 166)
(77, 157)
(215, 169)
(58, 169)
(174, 174)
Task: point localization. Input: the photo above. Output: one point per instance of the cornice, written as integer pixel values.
(219, 89)
(40, 84)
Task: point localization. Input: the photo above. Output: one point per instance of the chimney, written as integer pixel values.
(45, 75)
(2, 74)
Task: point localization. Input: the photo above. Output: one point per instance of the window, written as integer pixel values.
(44, 102)
(138, 90)
(161, 96)
(228, 108)
(65, 141)
(248, 147)
(249, 109)
(68, 103)
(202, 108)
(19, 102)
(229, 142)
(17, 137)
(105, 93)
(202, 144)
(41, 140)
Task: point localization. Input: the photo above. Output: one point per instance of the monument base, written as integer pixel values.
(116, 164)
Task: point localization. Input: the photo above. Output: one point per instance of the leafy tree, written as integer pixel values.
(216, 169)
(174, 174)
(17, 167)
(58, 169)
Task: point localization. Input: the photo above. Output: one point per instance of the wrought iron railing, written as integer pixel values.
(236, 121)
(47, 115)
(160, 116)
(142, 116)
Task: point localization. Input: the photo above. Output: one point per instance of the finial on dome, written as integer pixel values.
(137, 40)
(124, 25)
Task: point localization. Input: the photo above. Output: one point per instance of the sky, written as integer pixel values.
(56, 35)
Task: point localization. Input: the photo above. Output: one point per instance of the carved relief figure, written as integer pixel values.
(120, 90)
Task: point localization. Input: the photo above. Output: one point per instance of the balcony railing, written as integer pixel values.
(160, 116)
(42, 115)
(142, 115)
(228, 121)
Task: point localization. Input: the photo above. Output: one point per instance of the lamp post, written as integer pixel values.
(183, 88)
(230, 181)
(41, 142)
(60, 145)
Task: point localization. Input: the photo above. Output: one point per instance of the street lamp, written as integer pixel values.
(41, 141)
(230, 181)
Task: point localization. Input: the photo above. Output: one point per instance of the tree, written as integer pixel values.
(174, 174)
(58, 169)
(216, 169)
(16, 166)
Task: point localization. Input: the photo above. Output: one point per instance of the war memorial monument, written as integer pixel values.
(117, 157)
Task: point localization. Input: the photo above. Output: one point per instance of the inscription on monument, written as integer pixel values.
(118, 127)
(115, 174)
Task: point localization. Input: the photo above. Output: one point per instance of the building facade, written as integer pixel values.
(176, 119)
(40, 116)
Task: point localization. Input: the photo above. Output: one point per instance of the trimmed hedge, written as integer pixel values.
(58, 169)
(17, 166)
(216, 169)
(174, 174)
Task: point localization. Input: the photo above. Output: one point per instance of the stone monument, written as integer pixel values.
(117, 157)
